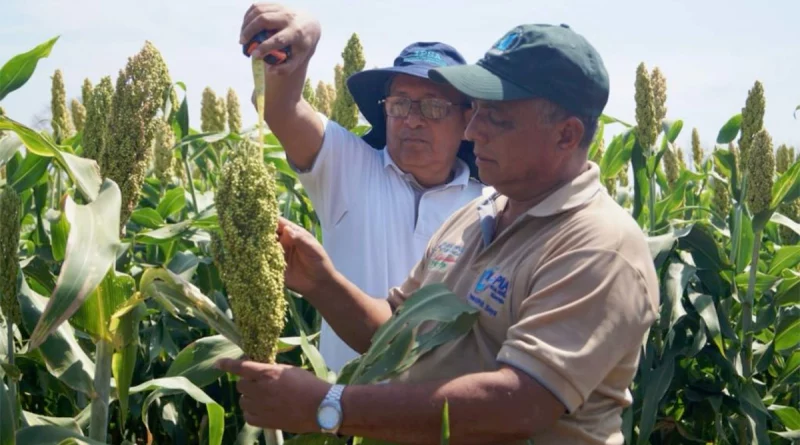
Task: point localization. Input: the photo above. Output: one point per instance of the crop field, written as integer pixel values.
(121, 252)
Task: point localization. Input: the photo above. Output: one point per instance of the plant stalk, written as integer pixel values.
(98, 428)
(12, 385)
(652, 203)
(747, 310)
(191, 183)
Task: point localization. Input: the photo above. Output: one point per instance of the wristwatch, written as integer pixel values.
(329, 413)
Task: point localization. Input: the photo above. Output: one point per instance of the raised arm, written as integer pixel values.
(293, 121)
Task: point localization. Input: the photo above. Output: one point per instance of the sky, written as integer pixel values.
(711, 52)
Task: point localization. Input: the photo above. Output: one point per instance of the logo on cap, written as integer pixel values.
(425, 56)
(508, 42)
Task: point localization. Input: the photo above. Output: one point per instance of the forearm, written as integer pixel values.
(491, 407)
(293, 120)
(353, 315)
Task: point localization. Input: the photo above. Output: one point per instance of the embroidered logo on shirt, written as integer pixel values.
(444, 255)
(490, 291)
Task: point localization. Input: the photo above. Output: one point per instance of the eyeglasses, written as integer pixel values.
(429, 108)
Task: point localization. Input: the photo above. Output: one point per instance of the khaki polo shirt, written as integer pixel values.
(566, 294)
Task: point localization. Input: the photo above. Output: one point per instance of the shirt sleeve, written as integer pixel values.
(334, 177)
(585, 311)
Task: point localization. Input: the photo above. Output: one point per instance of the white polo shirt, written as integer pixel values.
(372, 227)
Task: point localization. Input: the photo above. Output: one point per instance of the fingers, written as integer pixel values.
(261, 16)
(244, 368)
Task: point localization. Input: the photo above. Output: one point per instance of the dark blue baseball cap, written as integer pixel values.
(368, 87)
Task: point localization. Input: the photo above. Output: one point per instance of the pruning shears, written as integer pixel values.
(275, 57)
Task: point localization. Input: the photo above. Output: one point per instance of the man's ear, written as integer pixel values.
(570, 133)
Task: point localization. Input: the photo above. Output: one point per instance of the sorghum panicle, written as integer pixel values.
(752, 119)
(234, 112)
(10, 205)
(659, 84)
(760, 170)
(61, 122)
(247, 251)
(98, 113)
(78, 114)
(164, 159)
(697, 150)
(784, 158)
(646, 124)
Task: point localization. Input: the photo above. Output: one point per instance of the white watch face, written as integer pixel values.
(328, 417)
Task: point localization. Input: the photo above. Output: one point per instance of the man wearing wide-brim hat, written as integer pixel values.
(379, 199)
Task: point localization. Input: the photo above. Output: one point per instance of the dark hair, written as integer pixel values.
(555, 113)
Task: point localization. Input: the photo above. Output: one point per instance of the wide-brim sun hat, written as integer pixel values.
(368, 87)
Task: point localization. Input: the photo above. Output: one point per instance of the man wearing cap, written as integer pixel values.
(379, 199)
(561, 275)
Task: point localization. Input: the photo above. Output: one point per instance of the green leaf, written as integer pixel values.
(196, 361)
(672, 129)
(704, 304)
(7, 409)
(661, 245)
(704, 248)
(788, 292)
(59, 231)
(445, 435)
(172, 202)
(175, 385)
(147, 217)
(94, 315)
(789, 416)
(33, 419)
(91, 251)
(9, 146)
(784, 221)
(606, 119)
(33, 168)
(655, 388)
(314, 357)
(124, 327)
(617, 155)
(764, 282)
(677, 277)
(434, 302)
(85, 173)
(746, 242)
(16, 72)
(730, 130)
(52, 435)
(787, 187)
(787, 332)
(792, 365)
(179, 296)
(63, 356)
(786, 258)
(165, 233)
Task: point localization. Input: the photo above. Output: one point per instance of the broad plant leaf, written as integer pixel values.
(315, 358)
(617, 154)
(789, 416)
(655, 387)
(730, 130)
(147, 217)
(704, 304)
(180, 297)
(94, 315)
(124, 330)
(17, 70)
(173, 201)
(196, 361)
(29, 173)
(33, 419)
(785, 258)
(787, 331)
(85, 173)
(787, 187)
(176, 385)
(430, 304)
(63, 356)
(52, 435)
(91, 250)
(9, 146)
(677, 278)
(8, 428)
